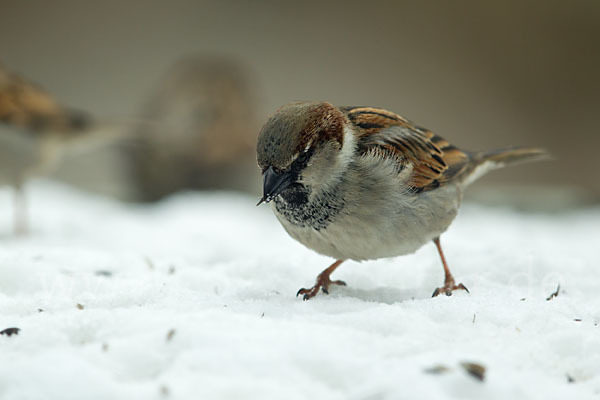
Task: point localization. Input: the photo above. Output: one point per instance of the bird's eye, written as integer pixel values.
(302, 158)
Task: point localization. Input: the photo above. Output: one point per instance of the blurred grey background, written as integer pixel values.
(482, 74)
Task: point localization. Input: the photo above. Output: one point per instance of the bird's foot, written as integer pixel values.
(448, 287)
(323, 282)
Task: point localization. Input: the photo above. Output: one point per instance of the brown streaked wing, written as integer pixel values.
(371, 120)
(434, 160)
(25, 105)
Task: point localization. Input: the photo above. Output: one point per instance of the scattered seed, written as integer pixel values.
(555, 294)
(80, 306)
(570, 379)
(170, 335)
(40, 310)
(149, 263)
(477, 371)
(10, 331)
(164, 391)
(437, 370)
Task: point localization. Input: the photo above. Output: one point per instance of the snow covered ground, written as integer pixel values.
(195, 298)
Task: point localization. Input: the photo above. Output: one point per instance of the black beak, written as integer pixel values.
(274, 183)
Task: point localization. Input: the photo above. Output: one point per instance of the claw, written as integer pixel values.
(308, 293)
(322, 282)
(448, 288)
(324, 286)
(449, 283)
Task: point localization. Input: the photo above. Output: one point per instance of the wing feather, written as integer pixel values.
(25, 105)
(434, 160)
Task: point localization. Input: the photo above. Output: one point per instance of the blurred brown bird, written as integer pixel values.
(203, 132)
(34, 128)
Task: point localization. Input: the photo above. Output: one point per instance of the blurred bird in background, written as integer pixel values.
(35, 129)
(203, 130)
(196, 130)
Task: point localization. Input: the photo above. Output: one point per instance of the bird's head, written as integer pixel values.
(305, 144)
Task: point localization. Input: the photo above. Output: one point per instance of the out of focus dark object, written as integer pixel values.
(476, 370)
(437, 369)
(34, 128)
(554, 294)
(202, 131)
(10, 331)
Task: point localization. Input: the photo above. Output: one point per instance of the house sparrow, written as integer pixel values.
(204, 132)
(363, 183)
(33, 128)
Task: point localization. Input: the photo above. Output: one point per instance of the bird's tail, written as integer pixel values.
(486, 161)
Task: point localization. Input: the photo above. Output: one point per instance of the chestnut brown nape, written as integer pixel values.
(326, 122)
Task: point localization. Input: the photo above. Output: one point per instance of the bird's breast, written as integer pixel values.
(369, 225)
(296, 208)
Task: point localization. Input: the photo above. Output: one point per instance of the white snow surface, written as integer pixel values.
(194, 298)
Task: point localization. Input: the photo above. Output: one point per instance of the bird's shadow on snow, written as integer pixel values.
(382, 294)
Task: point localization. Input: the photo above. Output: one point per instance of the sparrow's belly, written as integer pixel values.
(386, 228)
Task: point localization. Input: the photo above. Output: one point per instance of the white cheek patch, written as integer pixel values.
(333, 163)
(346, 154)
(343, 158)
